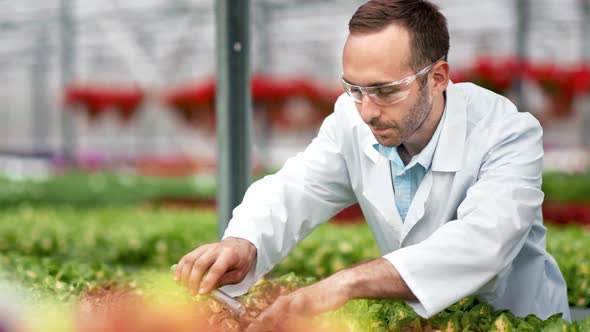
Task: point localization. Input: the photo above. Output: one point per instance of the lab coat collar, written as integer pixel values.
(448, 156)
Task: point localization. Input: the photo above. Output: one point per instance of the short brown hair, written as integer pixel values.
(429, 34)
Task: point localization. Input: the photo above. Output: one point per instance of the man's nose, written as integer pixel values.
(368, 109)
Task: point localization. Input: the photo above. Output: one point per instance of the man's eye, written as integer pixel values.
(386, 91)
(354, 89)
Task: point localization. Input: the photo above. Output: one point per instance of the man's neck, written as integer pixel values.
(404, 154)
(419, 139)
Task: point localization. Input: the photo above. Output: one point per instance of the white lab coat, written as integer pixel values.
(474, 227)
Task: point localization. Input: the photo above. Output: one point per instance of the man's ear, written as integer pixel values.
(440, 77)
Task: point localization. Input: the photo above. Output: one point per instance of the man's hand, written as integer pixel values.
(372, 279)
(226, 262)
(289, 312)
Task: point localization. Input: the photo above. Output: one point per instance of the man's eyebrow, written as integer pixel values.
(347, 81)
(372, 84)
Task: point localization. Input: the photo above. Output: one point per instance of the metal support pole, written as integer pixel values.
(68, 57)
(522, 7)
(233, 106)
(39, 83)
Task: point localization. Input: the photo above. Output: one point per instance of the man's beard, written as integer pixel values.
(413, 120)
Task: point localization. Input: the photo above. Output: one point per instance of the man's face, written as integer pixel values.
(381, 57)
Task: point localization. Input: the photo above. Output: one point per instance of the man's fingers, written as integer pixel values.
(255, 327)
(269, 318)
(198, 269)
(207, 265)
(187, 262)
(288, 311)
(182, 265)
(263, 323)
(298, 306)
(187, 270)
(216, 271)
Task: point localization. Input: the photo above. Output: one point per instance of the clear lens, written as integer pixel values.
(353, 91)
(356, 93)
(388, 95)
(381, 95)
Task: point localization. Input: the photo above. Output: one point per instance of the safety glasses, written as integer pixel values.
(385, 94)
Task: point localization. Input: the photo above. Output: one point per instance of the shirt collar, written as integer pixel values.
(424, 158)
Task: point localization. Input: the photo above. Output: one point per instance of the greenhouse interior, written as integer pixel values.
(128, 139)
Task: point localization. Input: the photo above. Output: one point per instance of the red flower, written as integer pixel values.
(97, 99)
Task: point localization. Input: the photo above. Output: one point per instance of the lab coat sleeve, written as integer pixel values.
(281, 209)
(493, 221)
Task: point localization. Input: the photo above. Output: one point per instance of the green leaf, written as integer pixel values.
(558, 325)
(452, 324)
(524, 326)
(502, 324)
(584, 324)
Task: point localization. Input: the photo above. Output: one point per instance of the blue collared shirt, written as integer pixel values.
(407, 178)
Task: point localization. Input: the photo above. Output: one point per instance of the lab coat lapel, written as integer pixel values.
(378, 189)
(448, 156)
(418, 205)
(447, 160)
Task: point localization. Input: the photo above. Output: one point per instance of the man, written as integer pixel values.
(448, 177)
